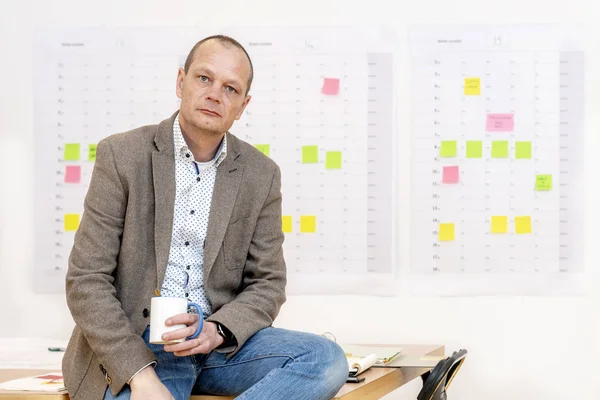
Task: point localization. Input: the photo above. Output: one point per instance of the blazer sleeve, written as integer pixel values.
(91, 295)
(264, 277)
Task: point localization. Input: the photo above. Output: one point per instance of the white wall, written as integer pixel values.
(519, 347)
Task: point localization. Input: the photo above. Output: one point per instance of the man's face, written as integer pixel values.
(213, 92)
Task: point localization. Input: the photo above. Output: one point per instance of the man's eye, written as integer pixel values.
(231, 89)
(204, 78)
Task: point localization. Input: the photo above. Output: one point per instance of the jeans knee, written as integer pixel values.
(335, 367)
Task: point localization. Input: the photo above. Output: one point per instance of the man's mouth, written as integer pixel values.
(210, 112)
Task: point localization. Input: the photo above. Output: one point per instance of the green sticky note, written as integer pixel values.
(522, 150)
(500, 149)
(543, 182)
(474, 149)
(333, 160)
(448, 148)
(264, 148)
(92, 152)
(72, 151)
(310, 154)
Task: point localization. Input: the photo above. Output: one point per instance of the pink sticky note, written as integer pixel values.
(500, 123)
(331, 86)
(73, 174)
(450, 174)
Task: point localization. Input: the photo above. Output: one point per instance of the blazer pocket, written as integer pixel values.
(237, 243)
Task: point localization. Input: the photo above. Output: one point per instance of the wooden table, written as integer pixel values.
(378, 381)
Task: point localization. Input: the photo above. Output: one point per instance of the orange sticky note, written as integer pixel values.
(331, 86)
(72, 174)
(450, 174)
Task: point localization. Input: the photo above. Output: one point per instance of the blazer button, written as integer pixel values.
(145, 313)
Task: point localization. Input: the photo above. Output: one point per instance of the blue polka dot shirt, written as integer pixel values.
(195, 182)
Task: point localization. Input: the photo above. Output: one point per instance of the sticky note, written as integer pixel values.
(92, 152)
(72, 151)
(499, 149)
(448, 148)
(500, 123)
(71, 222)
(522, 150)
(446, 232)
(72, 174)
(472, 86)
(474, 149)
(543, 182)
(310, 154)
(286, 223)
(522, 225)
(499, 224)
(333, 160)
(450, 174)
(308, 224)
(264, 148)
(331, 86)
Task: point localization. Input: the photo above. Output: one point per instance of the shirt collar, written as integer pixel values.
(181, 148)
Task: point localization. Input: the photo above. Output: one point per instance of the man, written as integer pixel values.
(184, 208)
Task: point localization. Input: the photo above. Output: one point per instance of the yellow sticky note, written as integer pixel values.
(499, 224)
(333, 160)
(472, 86)
(522, 225)
(474, 149)
(264, 148)
(500, 149)
(286, 223)
(522, 150)
(448, 148)
(310, 154)
(446, 232)
(71, 152)
(308, 224)
(92, 152)
(543, 182)
(71, 222)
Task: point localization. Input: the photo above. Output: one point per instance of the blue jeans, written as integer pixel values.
(273, 364)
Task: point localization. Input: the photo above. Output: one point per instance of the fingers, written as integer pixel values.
(200, 345)
(186, 318)
(189, 347)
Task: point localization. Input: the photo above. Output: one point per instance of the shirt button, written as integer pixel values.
(192, 212)
(187, 243)
(198, 179)
(187, 294)
(187, 155)
(188, 267)
(145, 313)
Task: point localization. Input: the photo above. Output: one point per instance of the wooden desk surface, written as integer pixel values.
(378, 381)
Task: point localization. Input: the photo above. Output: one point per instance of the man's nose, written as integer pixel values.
(214, 93)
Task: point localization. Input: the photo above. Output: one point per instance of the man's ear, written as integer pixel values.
(179, 83)
(243, 107)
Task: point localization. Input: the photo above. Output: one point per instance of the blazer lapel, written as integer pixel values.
(227, 184)
(163, 171)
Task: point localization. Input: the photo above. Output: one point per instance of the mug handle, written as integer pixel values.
(200, 322)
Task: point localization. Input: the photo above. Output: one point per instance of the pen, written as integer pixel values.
(57, 349)
(355, 379)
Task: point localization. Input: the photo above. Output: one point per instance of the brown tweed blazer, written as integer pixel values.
(122, 247)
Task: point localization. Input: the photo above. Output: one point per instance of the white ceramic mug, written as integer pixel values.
(163, 308)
